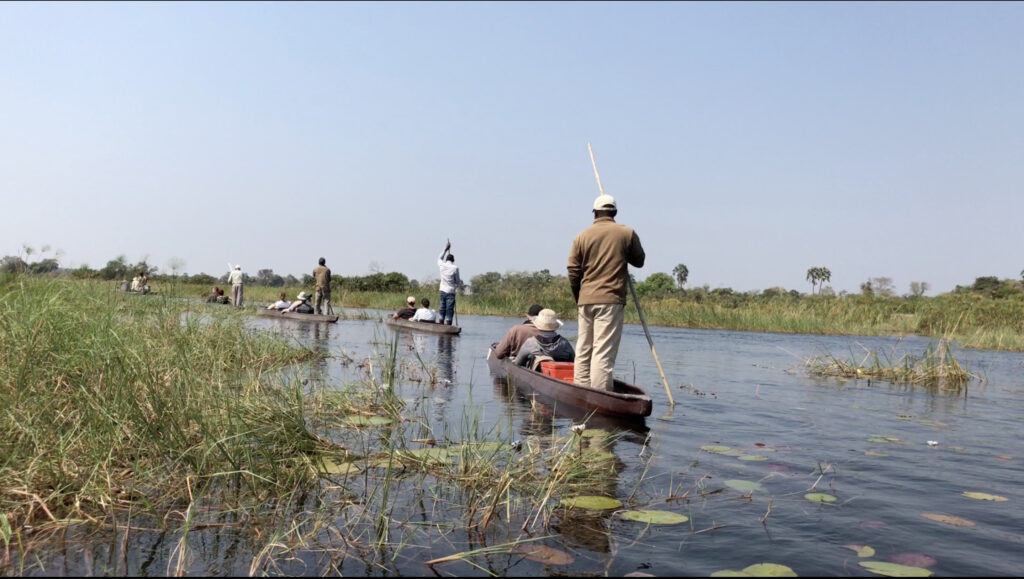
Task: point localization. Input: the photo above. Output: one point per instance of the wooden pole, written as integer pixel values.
(629, 282)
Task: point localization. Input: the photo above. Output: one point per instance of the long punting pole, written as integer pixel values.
(629, 282)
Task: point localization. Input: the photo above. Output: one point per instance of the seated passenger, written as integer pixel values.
(301, 305)
(407, 312)
(425, 314)
(280, 304)
(509, 346)
(548, 343)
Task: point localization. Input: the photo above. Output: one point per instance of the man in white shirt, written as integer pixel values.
(235, 279)
(425, 314)
(450, 282)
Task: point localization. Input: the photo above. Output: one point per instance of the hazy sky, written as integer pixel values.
(748, 141)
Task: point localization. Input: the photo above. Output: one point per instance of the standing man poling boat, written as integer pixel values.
(235, 279)
(449, 284)
(322, 291)
(598, 274)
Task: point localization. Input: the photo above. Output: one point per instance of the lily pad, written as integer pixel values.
(894, 570)
(820, 498)
(593, 502)
(744, 486)
(655, 517)
(429, 455)
(543, 554)
(758, 570)
(331, 467)
(984, 496)
(873, 453)
(751, 457)
(360, 420)
(862, 550)
(948, 519)
(715, 448)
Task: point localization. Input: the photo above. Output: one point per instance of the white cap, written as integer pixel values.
(604, 202)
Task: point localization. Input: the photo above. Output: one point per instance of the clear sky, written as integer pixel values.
(748, 141)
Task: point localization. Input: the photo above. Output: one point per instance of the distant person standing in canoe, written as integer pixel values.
(450, 282)
(235, 279)
(322, 291)
(599, 261)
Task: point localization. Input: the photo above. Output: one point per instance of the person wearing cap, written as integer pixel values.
(450, 282)
(425, 314)
(547, 343)
(301, 305)
(517, 334)
(235, 279)
(598, 267)
(322, 291)
(408, 311)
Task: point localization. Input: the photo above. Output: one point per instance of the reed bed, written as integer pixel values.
(134, 415)
(935, 368)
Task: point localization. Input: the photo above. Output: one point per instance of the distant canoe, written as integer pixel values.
(627, 401)
(423, 326)
(296, 316)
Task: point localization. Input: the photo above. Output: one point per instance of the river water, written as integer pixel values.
(897, 459)
(889, 454)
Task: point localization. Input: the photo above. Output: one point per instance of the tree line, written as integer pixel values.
(657, 285)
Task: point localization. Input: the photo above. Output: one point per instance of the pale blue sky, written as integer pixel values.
(749, 141)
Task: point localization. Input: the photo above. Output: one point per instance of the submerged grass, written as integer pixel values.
(123, 414)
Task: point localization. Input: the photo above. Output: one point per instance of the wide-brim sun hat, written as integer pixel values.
(547, 321)
(604, 202)
(303, 296)
(410, 300)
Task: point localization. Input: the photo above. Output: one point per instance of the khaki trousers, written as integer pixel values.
(323, 298)
(597, 345)
(236, 295)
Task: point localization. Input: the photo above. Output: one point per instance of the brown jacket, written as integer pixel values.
(509, 346)
(322, 275)
(598, 262)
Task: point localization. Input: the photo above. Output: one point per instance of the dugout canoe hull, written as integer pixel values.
(627, 401)
(280, 314)
(422, 326)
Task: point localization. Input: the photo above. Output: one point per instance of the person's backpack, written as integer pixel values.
(305, 308)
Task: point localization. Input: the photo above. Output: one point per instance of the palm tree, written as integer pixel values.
(682, 272)
(817, 276)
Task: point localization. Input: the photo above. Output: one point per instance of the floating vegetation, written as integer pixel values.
(937, 367)
(984, 496)
(544, 554)
(591, 502)
(758, 570)
(654, 517)
(948, 519)
(862, 550)
(894, 569)
(820, 498)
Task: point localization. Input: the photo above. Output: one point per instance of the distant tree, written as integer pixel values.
(817, 276)
(918, 288)
(13, 264)
(44, 266)
(655, 284)
(681, 272)
(883, 286)
(867, 289)
(116, 268)
(203, 279)
(486, 283)
(291, 281)
(269, 278)
(1022, 275)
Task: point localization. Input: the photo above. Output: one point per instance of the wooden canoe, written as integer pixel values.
(279, 314)
(626, 401)
(422, 326)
